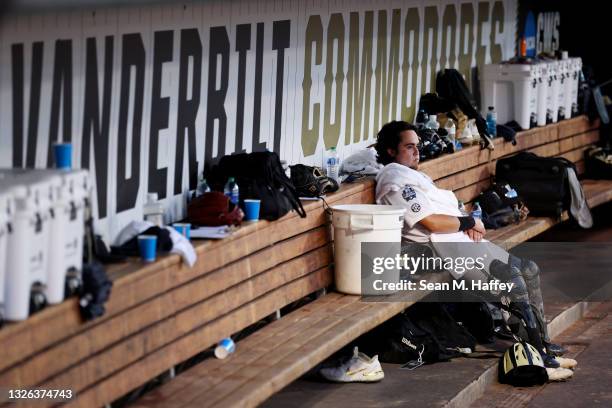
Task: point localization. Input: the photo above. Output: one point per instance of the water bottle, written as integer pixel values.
(492, 121)
(231, 190)
(202, 186)
(432, 123)
(333, 164)
(451, 129)
(153, 210)
(477, 211)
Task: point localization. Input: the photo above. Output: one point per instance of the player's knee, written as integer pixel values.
(530, 269)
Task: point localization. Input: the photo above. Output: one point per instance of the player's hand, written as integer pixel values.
(474, 234)
(479, 226)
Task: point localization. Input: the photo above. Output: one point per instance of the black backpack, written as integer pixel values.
(259, 176)
(542, 182)
(451, 86)
(425, 331)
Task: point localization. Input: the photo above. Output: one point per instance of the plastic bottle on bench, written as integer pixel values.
(492, 121)
(231, 190)
(153, 210)
(202, 186)
(332, 164)
(432, 123)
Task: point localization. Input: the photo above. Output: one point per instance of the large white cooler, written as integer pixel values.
(512, 90)
(28, 248)
(552, 92)
(355, 224)
(71, 189)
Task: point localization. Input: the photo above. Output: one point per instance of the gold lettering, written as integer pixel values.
(411, 48)
(314, 35)
(335, 33)
(359, 80)
(466, 41)
(387, 68)
(430, 50)
(449, 23)
(497, 16)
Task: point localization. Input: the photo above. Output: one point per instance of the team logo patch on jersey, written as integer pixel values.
(408, 193)
(416, 207)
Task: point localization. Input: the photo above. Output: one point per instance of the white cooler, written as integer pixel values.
(70, 191)
(512, 90)
(26, 267)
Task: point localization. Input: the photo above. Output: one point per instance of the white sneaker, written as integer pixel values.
(559, 374)
(566, 362)
(359, 368)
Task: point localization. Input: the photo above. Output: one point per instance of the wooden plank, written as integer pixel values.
(576, 154)
(576, 126)
(78, 347)
(196, 380)
(164, 332)
(577, 141)
(471, 192)
(160, 360)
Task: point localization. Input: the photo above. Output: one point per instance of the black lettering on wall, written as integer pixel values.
(92, 125)
(412, 25)
(133, 55)
(257, 146)
(160, 109)
(18, 69)
(18, 91)
(243, 44)
(191, 47)
(333, 81)
(219, 45)
(62, 89)
(430, 50)
(281, 37)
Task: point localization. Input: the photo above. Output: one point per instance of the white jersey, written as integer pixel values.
(400, 185)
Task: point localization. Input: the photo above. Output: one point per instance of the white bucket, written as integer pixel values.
(358, 223)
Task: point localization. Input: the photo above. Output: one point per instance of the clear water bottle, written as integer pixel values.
(432, 123)
(451, 129)
(492, 121)
(332, 164)
(202, 186)
(153, 210)
(477, 211)
(231, 190)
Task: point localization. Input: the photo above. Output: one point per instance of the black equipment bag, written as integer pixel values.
(451, 86)
(259, 175)
(425, 331)
(542, 182)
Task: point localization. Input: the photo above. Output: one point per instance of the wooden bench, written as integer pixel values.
(162, 314)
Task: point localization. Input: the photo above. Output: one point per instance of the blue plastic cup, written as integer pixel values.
(225, 348)
(147, 244)
(63, 155)
(251, 209)
(183, 228)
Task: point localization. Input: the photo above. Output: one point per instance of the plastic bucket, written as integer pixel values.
(357, 223)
